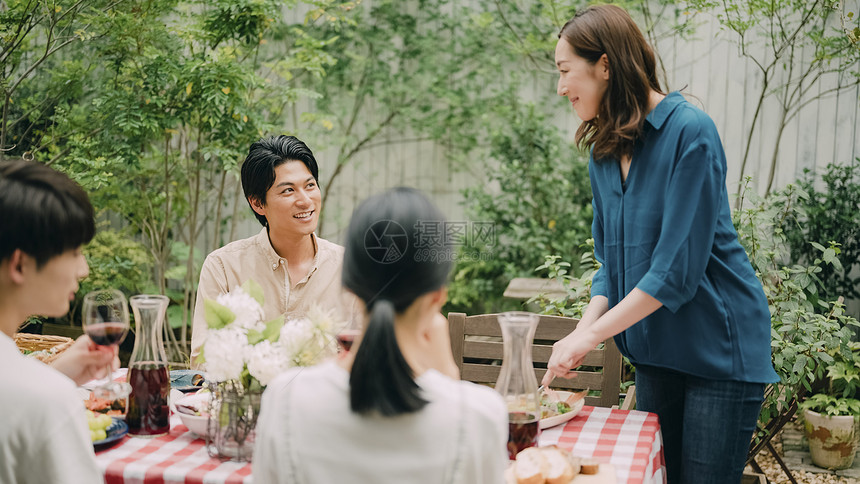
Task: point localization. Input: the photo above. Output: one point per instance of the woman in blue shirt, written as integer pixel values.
(675, 288)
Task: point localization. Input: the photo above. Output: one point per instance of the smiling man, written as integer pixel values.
(295, 268)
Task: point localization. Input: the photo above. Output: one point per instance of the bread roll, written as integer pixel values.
(574, 464)
(530, 466)
(510, 476)
(558, 468)
(589, 466)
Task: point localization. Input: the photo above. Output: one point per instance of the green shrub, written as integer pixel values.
(117, 261)
(537, 200)
(830, 214)
(806, 328)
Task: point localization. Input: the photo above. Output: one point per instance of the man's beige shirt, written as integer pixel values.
(254, 258)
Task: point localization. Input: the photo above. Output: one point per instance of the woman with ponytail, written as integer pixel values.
(393, 409)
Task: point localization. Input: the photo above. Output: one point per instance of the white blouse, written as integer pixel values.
(307, 434)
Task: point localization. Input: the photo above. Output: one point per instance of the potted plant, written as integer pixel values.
(831, 416)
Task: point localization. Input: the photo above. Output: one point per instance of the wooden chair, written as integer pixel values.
(479, 358)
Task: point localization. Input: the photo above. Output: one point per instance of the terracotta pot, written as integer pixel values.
(831, 439)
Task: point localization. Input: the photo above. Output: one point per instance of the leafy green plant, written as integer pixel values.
(806, 329)
(538, 201)
(839, 395)
(578, 289)
(117, 261)
(151, 106)
(830, 214)
(831, 406)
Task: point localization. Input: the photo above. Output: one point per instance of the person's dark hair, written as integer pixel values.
(608, 29)
(388, 264)
(42, 212)
(258, 169)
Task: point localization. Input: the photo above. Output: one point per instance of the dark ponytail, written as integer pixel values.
(381, 380)
(388, 264)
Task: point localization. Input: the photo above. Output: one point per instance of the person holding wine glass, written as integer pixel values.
(392, 410)
(105, 320)
(45, 217)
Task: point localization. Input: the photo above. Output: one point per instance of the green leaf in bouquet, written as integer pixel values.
(255, 337)
(273, 329)
(254, 290)
(200, 359)
(217, 315)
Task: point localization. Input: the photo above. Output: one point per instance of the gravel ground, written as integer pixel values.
(775, 475)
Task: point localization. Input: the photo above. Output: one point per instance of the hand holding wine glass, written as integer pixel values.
(86, 361)
(105, 320)
(349, 331)
(348, 334)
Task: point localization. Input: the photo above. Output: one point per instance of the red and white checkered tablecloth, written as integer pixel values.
(630, 440)
(179, 457)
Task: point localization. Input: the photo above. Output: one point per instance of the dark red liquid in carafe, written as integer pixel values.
(523, 431)
(148, 410)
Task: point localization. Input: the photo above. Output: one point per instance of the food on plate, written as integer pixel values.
(552, 404)
(551, 409)
(114, 408)
(98, 423)
(197, 404)
(548, 465)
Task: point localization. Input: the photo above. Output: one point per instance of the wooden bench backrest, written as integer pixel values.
(479, 359)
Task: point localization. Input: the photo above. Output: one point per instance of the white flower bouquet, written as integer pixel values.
(241, 347)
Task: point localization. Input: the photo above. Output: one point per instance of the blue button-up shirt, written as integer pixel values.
(668, 231)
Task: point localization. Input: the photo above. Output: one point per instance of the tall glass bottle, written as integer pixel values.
(517, 382)
(148, 410)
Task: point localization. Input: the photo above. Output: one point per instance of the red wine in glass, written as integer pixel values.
(106, 334)
(523, 432)
(105, 319)
(346, 337)
(148, 410)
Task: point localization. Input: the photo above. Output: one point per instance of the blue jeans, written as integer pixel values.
(707, 425)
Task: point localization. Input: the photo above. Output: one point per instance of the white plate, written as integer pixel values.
(548, 422)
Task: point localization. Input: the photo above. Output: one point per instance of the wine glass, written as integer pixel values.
(347, 334)
(105, 320)
(350, 330)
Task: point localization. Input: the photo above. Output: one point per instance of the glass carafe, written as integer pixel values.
(517, 382)
(148, 410)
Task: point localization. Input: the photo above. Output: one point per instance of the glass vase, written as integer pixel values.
(233, 421)
(148, 410)
(517, 382)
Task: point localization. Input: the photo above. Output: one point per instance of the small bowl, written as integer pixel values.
(195, 423)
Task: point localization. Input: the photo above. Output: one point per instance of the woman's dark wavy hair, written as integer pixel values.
(266, 154)
(42, 212)
(388, 263)
(608, 29)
